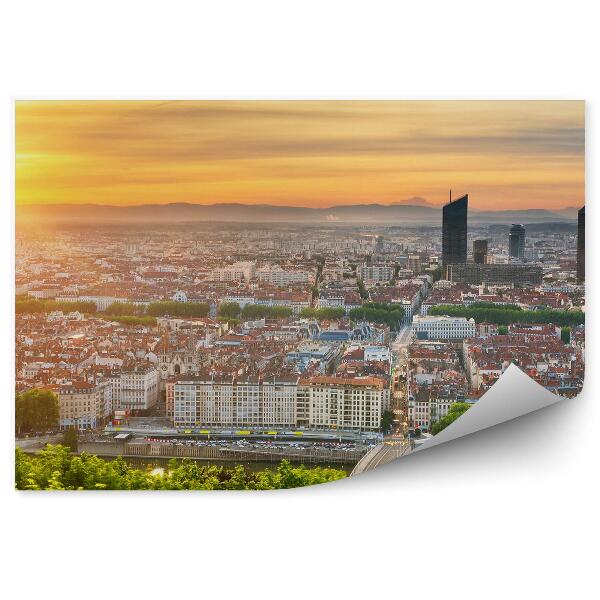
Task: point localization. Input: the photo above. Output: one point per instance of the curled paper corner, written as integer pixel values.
(513, 395)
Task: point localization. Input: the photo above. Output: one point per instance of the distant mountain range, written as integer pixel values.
(400, 213)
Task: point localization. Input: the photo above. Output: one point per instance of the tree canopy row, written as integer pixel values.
(506, 316)
(55, 468)
(380, 313)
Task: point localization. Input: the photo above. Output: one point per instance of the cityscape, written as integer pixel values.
(255, 350)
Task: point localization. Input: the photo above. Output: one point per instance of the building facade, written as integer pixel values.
(84, 405)
(314, 402)
(581, 244)
(511, 273)
(480, 250)
(443, 328)
(516, 242)
(138, 387)
(454, 231)
(251, 402)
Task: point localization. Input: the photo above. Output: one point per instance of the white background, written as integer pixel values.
(510, 512)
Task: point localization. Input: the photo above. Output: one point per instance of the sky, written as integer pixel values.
(504, 154)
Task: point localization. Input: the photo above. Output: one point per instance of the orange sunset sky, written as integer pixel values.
(505, 154)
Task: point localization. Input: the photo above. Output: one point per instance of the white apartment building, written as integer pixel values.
(316, 402)
(275, 275)
(138, 387)
(84, 405)
(239, 271)
(339, 403)
(251, 402)
(442, 328)
(376, 273)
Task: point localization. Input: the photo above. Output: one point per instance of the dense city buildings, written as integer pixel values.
(516, 242)
(454, 231)
(295, 328)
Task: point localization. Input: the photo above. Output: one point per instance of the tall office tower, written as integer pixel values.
(581, 244)
(516, 242)
(480, 248)
(454, 231)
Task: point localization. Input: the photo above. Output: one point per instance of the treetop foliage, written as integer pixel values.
(379, 312)
(56, 469)
(322, 314)
(36, 410)
(506, 316)
(456, 410)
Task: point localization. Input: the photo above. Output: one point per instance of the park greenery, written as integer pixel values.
(25, 305)
(505, 315)
(125, 309)
(456, 410)
(36, 410)
(379, 312)
(229, 310)
(119, 310)
(260, 311)
(55, 468)
(162, 308)
(325, 313)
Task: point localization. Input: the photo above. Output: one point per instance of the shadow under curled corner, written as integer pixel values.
(513, 395)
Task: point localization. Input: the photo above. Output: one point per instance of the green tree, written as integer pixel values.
(70, 438)
(322, 314)
(378, 312)
(502, 329)
(25, 305)
(362, 290)
(260, 311)
(565, 335)
(36, 410)
(125, 309)
(454, 412)
(387, 420)
(56, 468)
(507, 314)
(229, 310)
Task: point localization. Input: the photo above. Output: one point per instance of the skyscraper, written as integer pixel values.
(581, 244)
(516, 242)
(454, 231)
(480, 248)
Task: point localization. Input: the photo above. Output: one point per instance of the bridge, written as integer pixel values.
(382, 454)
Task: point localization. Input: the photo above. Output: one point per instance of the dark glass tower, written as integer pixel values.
(581, 244)
(480, 248)
(516, 242)
(454, 231)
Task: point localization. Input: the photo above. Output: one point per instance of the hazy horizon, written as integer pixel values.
(314, 154)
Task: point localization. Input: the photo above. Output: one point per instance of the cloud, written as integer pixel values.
(367, 151)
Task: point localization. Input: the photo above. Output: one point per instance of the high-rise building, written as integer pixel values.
(480, 249)
(454, 231)
(581, 244)
(516, 242)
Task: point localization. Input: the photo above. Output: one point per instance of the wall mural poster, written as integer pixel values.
(274, 294)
